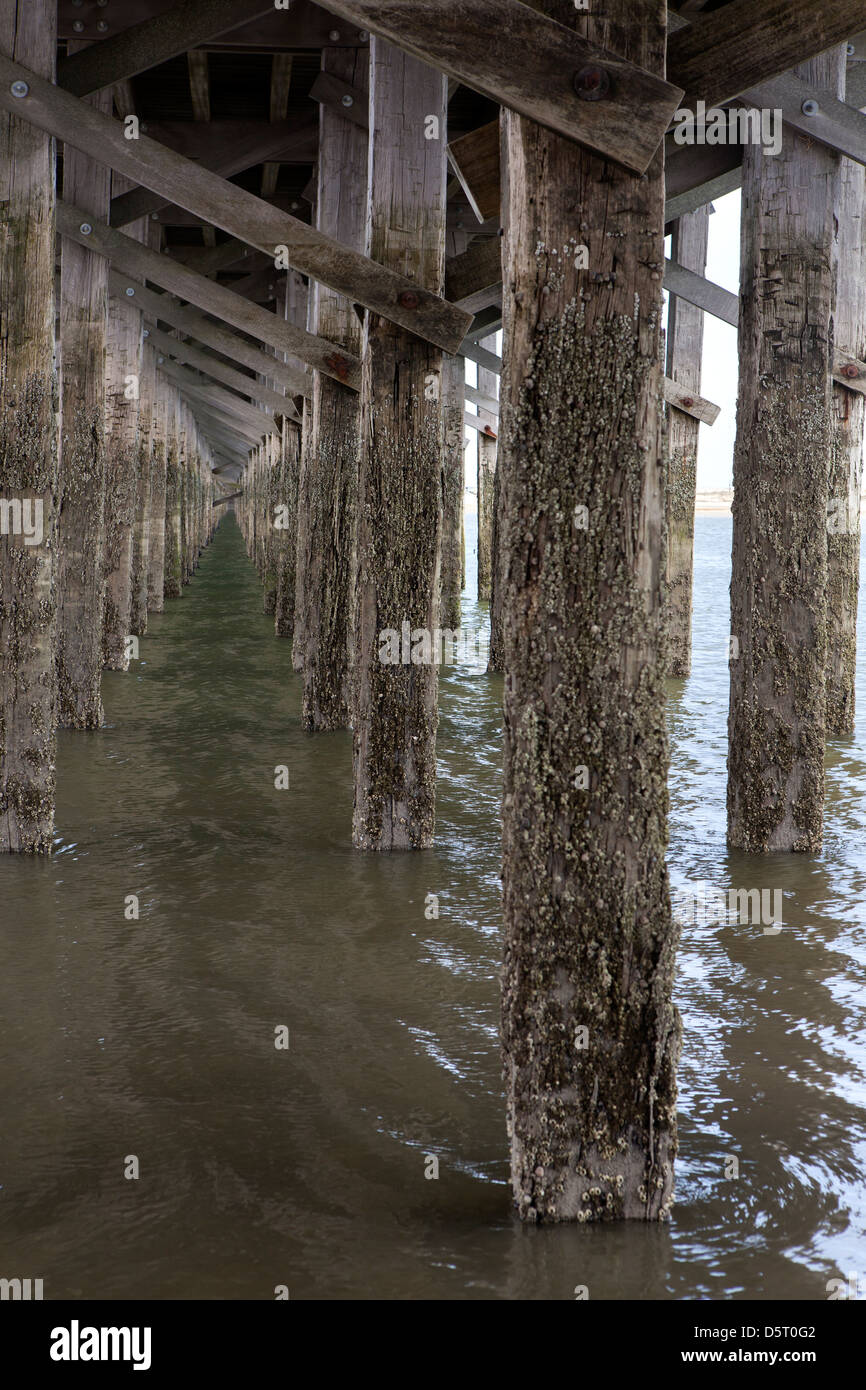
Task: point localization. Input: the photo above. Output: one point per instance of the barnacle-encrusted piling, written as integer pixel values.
(685, 339)
(488, 382)
(846, 461)
(776, 726)
(143, 480)
(453, 432)
(156, 527)
(28, 448)
(590, 1032)
(399, 488)
(81, 518)
(329, 476)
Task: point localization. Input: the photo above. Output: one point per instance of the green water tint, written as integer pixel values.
(306, 1167)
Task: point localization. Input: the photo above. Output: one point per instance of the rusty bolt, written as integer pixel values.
(688, 402)
(408, 299)
(592, 83)
(850, 370)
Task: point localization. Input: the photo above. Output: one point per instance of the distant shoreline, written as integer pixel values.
(714, 503)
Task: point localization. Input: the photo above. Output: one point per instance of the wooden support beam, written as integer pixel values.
(28, 450)
(81, 484)
(685, 333)
(205, 331)
(490, 403)
(223, 152)
(782, 454)
(394, 721)
(722, 304)
(199, 84)
(154, 41)
(144, 480)
(342, 97)
(529, 63)
(475, 160)
(741, 45)
(488, 414)
(589, 941)
(690, 402)
(237, 212)
(189, 355)
(328, 481)
(453, 486)
(127, 255)
(846, 460)
(474, 279)
(196, 385)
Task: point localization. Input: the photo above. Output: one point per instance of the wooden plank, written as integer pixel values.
(135, 259)
(154, 41)
(224, 151)
(215, 397)
(695, 289)
(206, 331)
(471, 278)
(743, 44)
(396, 297)
(345, 99)
(690, 402)
(475, 422)
(475, 160)
(525, 61)
(191, 356)
(489, 403)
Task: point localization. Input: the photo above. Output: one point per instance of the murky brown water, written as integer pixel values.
(306, 1167)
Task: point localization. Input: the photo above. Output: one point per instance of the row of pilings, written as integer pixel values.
(352, 518)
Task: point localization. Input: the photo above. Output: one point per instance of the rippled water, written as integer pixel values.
(306, 1167)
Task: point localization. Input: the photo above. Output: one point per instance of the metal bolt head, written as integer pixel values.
(592, 83)
(130, 291)
(77, 26)
(810, 107)
(408, 299)
(102, 26)
(347, 100)
(146, 333)
(334, 35)
(154, 217)
(850, 50)
(363, 36)
(850, 371)
(19, 89)
(85, 229)
(102, 4)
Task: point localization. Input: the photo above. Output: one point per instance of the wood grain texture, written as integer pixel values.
(240, 213)
(527, 62)
(720, 55)
(475, 160)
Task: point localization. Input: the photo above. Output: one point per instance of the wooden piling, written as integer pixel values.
(685, 339)
(590, 1033)
(846, 462)
(399, 488)
(329, 467)
(143, 476)
(156, 528)
(488, 383)
(453, 485)
(81, 520)
(777, 718)
(28, 448)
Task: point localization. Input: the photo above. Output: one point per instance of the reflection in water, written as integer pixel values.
(306, 1167)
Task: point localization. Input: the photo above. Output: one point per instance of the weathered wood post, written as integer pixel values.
(124, 344)
(590, 1033)
(81, 520)
(453, 484)
(173, 484)
(28, 447)
(488, 383)
(294, 309)
(846, 464)
(144, 470)
(685, 340)
(399, 488)
(329, 467)
(156, 548)
(777, 721)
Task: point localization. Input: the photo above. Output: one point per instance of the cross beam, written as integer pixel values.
(236, 211)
